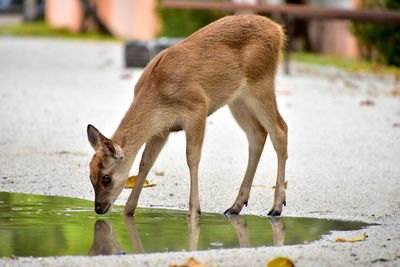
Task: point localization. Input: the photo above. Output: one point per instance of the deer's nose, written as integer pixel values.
(97, 209)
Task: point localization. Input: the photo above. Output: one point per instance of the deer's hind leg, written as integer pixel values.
(256, 136)
(263, 103)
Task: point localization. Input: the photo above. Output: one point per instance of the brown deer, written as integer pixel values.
(231, 61)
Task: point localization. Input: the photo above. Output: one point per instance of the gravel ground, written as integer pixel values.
(344, 150)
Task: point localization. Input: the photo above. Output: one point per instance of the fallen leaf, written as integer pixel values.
(126, 76)
(367, 103)
(396, 124)
(283, 92)
(261, 186)
(350, 84)
(268, 186)
(396, 92)
(192, 262)
(274, 186)
(359, 238)
(160, 173)
(130, 183)
(280, 262)
(77, 164)
(380, 260)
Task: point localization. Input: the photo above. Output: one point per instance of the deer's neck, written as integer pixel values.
(134, 130)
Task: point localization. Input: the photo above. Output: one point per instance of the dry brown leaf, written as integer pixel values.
(126, 76)
(396, 124)
(191, 262)
(280, 262)
(130, 183)
(367, 103)
(350, 84)
(268, 186)
(359, 238)
(396, 92)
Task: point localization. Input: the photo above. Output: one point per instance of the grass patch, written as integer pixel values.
(352, 65)
(42, 29)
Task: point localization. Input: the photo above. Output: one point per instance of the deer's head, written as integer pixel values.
(107, 172)
(105, 242)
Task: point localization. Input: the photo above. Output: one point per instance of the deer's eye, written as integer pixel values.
(106, 179)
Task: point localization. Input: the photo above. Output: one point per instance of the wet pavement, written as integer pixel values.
(67, 226)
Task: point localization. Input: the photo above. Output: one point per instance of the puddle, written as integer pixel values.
(34, 225)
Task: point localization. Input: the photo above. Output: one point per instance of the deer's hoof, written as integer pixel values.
(129, 213)
(194, 215)
(274, 212)
(231, 211)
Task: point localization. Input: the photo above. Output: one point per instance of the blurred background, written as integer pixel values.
(339, 39)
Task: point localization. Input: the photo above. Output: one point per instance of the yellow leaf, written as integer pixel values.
(130, 183)
(359, 238)
(261, 186)
(160, 173)
(273, 187)
(280, 262)
(191, 262)
(266, 186)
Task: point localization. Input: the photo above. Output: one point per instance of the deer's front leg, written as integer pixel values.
(194, 130)
(278, 231)
(193, 233)
(134, 234)
(150, 153)
(242, 232)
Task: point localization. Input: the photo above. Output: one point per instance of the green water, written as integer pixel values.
(35, 225)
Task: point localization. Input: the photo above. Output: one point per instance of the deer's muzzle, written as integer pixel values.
(100, 208)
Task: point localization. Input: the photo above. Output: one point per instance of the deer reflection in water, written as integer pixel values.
(106, 243)
(242, 231)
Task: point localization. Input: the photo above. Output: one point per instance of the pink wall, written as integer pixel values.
(333, 36)
(64, 14)
(130, 19)
(134, 19)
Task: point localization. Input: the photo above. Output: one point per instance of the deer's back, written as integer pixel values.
(253, 41)
(218, 58)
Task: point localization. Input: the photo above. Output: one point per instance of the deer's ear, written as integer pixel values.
(111, 149)
(93, 136)
(97, 140)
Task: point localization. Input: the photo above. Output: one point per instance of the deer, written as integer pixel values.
(232, 61)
